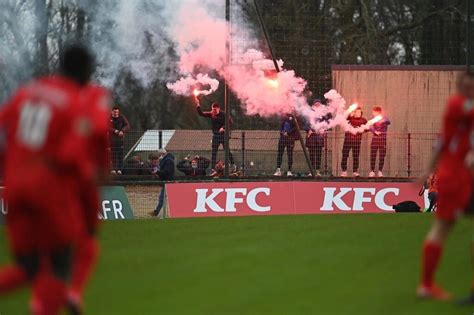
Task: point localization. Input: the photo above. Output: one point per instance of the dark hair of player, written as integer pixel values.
(77, 63)
(215, 105)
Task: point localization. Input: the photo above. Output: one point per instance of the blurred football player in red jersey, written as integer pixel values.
(95, 161)
(454, 162)
(43, 221)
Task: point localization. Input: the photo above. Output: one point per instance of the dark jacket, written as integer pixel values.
(288, 126)
(166, 171)
(217, 121)
(134, 167)
(186, 167)
(119, 123)
(317, 137)
(381, 126)
(355, 122)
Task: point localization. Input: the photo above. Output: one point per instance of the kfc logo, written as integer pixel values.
(206, 199)
(333, 199)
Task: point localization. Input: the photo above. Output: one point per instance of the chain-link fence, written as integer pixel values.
(255, 154)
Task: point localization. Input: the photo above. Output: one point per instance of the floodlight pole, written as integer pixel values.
(277, 68)
(470, 17)
(226, 93)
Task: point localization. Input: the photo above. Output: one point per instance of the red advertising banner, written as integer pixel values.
(187, 200)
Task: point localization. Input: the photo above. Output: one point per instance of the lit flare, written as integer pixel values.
(273, 83)
(353, 107)
(375, 119)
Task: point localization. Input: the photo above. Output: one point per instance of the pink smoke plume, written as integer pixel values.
(200, 37)
(201, 41)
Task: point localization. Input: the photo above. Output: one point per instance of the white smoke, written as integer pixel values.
(183, 43)
(186, 85)
(131, 36)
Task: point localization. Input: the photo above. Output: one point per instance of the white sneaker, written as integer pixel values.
(318, 174)
(372, 174)
(310, 175)
(289, 174)
(355, 174)
(344, 174)
(380, 174)
(113, 172)
(278, 172)
(119, 172)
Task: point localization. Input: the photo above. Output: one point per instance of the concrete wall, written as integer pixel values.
(412, 96)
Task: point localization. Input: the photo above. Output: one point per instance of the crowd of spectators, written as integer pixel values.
(199, 166)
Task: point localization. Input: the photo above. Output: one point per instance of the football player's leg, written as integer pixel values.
(19, 231)
(85, 259)
(50, 286)
(431, 256)
(12, 277)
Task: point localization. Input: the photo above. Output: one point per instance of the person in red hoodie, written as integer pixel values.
(453, 161)
(352, 141)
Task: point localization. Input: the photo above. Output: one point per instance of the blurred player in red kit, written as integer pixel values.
(44, 219)
(454, 162)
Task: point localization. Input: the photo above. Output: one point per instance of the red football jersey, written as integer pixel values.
(96, 103)
(39, 176)
(88, 139)
(458, 133)
(37, 121)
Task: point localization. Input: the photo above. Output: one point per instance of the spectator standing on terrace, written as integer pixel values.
(315, 139)
(119, 125)
(288, 136)
(379, 142)
(197, 166)
(218, 130)
(165, 173)
(352, 142)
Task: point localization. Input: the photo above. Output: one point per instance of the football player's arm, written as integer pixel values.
(6, 112)
(102, 145)
(448, 130)
(102, 139)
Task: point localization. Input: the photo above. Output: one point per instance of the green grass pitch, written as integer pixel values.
(321, 264)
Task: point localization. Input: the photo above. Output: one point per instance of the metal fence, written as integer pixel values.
(255, 153)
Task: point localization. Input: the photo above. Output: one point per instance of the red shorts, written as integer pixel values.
(42, 214)
(454, 193)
